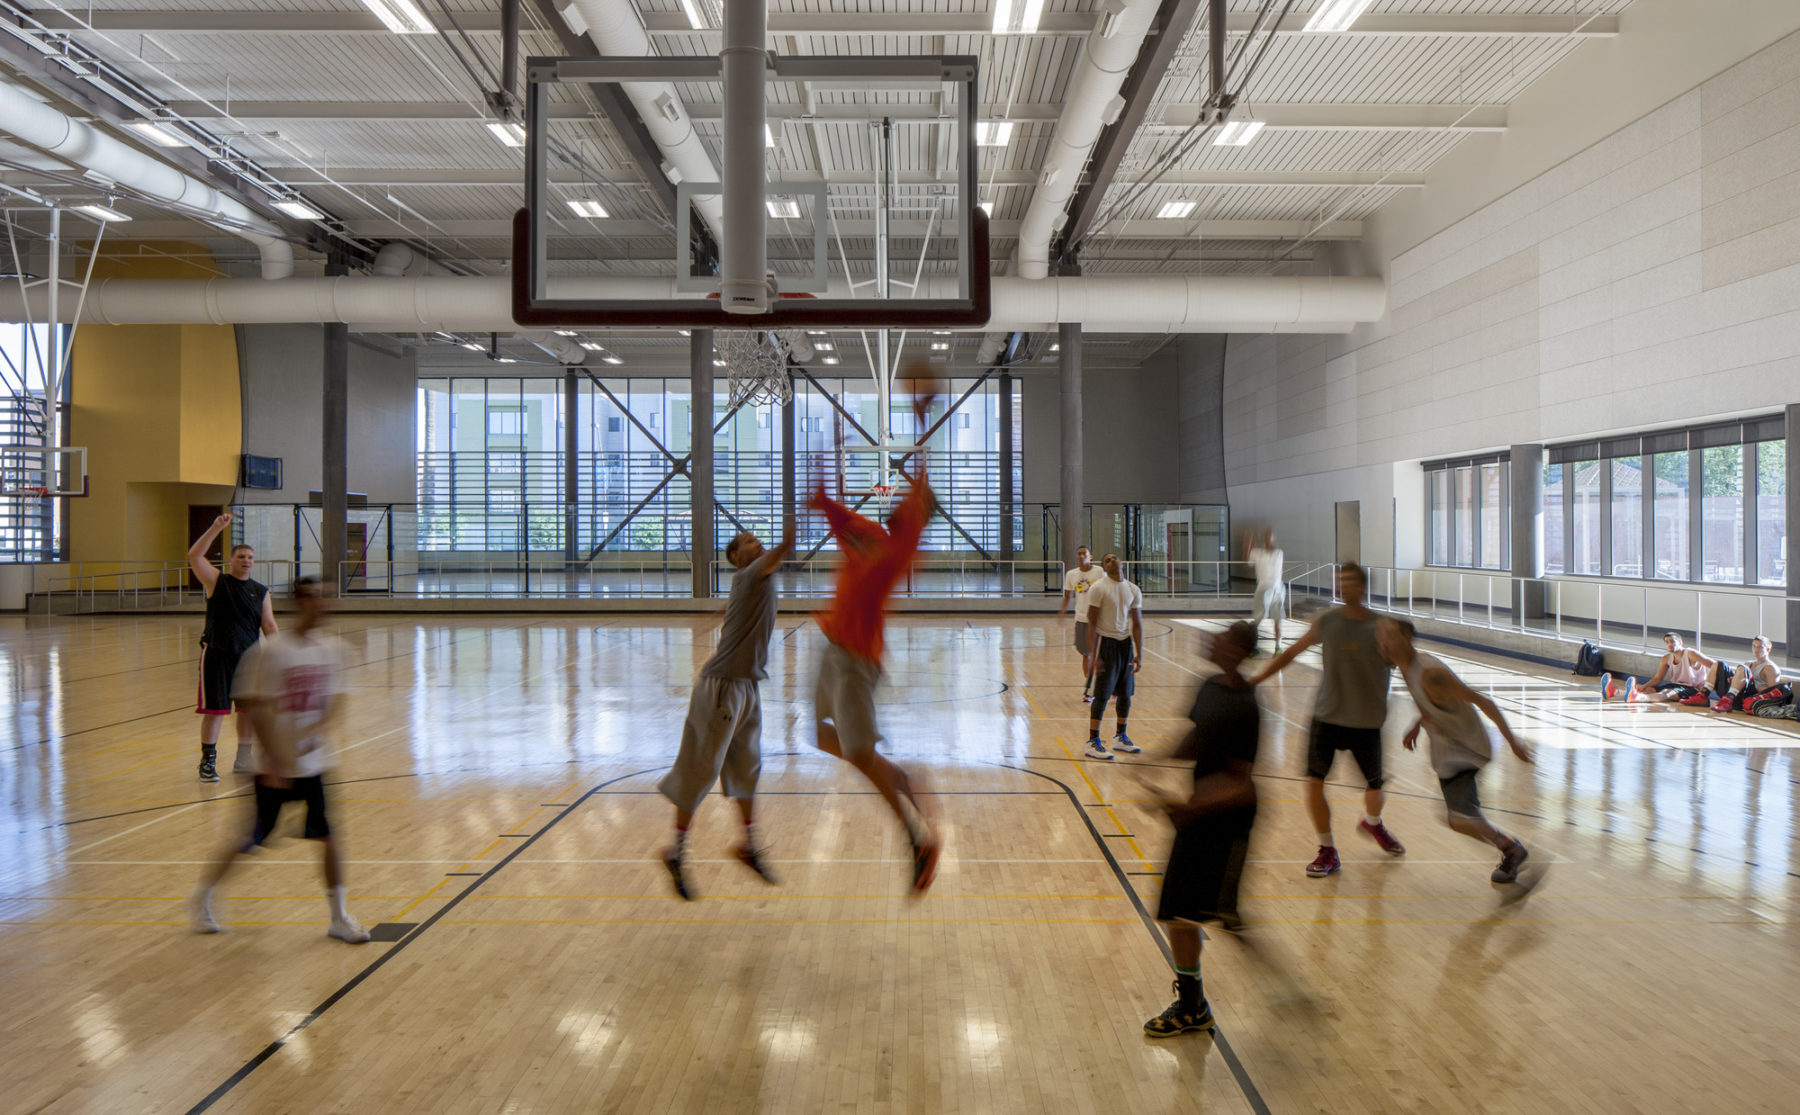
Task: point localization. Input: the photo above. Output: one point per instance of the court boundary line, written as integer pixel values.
(1239, 1073)
(269, 1051)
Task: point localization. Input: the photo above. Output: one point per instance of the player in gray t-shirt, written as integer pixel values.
(722, 739)
(1349, 712)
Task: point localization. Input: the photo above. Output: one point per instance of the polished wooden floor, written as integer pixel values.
(496, 795)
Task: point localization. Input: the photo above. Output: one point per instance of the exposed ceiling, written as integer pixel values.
(385, 133)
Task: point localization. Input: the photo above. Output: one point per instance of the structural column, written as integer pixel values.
(700, 468)
(334, 455)
(571, 478)
(1793, 537)
(789, 451)
(1074, 520)
(1526, 486)
(1006, 482)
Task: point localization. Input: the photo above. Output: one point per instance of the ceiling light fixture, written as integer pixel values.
(102, 212)
(587, 207)
(993, 133)
(565, 333)
(504, 360)
(593, 346)
(402, 17)
(1238, 133)
(1175, 210)
(785, 208)
(768, 136)
(609, 358)
(692, 10)
(156, 133)
(940, 346)
(1336, 15)
(298, 209)
(825, 346)
(830, 360)
(471, 346)
(513, 135)
(1017, 17)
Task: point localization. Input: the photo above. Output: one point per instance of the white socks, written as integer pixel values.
(1325, 840)
(1372, 822)
(336, 897)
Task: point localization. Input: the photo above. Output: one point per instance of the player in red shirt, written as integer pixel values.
(844, 699)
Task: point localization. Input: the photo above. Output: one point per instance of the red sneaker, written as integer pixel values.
(1325, 864)
(1698, 700)
(1383, 837)
(1724, 704)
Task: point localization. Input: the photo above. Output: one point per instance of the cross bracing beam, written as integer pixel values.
(464, 176)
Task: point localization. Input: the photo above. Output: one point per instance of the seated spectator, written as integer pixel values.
(1756, 682)
(1681, 675)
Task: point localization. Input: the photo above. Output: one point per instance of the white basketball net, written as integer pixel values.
(756, 366)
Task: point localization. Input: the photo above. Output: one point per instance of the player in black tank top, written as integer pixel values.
(238, 612)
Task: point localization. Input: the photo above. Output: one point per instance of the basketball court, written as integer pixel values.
(497, 792)
(507, 339)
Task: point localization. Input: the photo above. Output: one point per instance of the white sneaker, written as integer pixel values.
(1122, 742)
(200, 914)
(348, 929)
(245, 762)
(1097, 750)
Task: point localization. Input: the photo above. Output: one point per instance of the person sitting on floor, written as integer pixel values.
(1756, 683)
(1681, 675)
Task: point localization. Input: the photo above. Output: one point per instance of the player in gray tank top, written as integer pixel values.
(1347, 714)
(1451, 712)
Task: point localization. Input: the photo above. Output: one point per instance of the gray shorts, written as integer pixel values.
(722, 741)
(845, 699)
(1460, 794)
(1267, 603)
(1081, 636)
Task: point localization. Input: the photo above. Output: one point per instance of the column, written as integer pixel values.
(1526, 487)
(334, 455)
(1073, 513)
(700, 468)
(1006, 482)
(789, 453)
(571, 478)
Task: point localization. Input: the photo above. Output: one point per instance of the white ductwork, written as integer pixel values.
(395, 259)
(109, 160)
(743, 246)
(1090, 102)
(561, 349)
(1103, 303)
(615, 29)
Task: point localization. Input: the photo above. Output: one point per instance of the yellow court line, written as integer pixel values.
(1100, 799)
(1025, 691)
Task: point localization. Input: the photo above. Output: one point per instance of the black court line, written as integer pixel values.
(1238, 1072)
(356, 981)
(520, 835)
(460, 874)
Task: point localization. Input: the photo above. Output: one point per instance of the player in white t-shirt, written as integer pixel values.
(1116, 628)
(1076, 582)
(290, 685)
(1266, 561)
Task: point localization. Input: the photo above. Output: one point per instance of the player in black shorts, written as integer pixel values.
(238, 612)
(1212, 825)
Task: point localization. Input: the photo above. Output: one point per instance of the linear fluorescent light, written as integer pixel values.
(940, 346)
(609, 358)
(718, 363)
(513, 135)
(298, 209)
(1175, 210)
(565, 333)
(402, 17)
(830, 360)
(587, 207)
(593, 346)
(471, 346)
(1336, 15)
(102, 212)
(694, 18)
(685, 332)
(993, 133)
(824, 346)
(768, 136)
(504, 360)
(786, 208)
(1238, 133)
(156, 133)
(1027, 11)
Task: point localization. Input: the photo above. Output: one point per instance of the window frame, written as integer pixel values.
(1476, 508)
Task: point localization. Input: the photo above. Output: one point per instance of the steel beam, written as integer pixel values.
(1224, 179)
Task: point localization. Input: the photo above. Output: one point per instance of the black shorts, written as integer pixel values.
(1460, 793)
(270, 799)
(1112, 674)
(1721, 686)
(1205, 864)
(217, 668)
(1364, 745)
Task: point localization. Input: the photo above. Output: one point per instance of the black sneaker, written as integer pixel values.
(1181, 1019)
(925, 861)
(208, 772)
(1510, 862)
(672, 860)
(752, 859)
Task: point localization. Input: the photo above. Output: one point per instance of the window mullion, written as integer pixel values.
(1747, 508)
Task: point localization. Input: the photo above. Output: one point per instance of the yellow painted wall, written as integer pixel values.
(159, 409)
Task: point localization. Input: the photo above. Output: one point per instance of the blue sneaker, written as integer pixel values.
(1607, 689)
(1122, 742)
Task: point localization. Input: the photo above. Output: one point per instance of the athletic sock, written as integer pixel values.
(1093, 733)
(680, 841)
(1187, 987)
(750, 835)
(1325, 840)
(1121, 730)
(336, 898)
(1371, 820)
